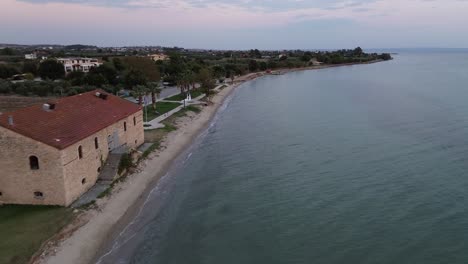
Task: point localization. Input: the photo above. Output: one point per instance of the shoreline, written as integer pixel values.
(94, 230)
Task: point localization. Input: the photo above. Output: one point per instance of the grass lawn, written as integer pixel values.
(161, 108)
(23, 229)
(158, 135)
(180, 97)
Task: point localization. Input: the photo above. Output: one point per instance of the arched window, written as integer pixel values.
(34, 163)
(80, 152)
(125, 126)
(38, 195)
(96, 143)
(134, 121)
(83, 181)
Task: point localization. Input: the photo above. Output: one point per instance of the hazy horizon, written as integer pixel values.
(238, 24)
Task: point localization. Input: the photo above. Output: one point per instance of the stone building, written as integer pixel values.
(51, 154)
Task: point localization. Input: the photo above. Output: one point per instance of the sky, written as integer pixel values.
(238, 24)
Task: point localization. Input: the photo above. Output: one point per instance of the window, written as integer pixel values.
(83, 181)
(38, 195)
(34, 163)
(134, 121)
(1, 193)
(96, 143)
(80, 152)
(125, 126)
(99, 169)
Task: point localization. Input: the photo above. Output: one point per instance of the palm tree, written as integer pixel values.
(184, 83)
(181, 83)
(139, 91)
(155, 92)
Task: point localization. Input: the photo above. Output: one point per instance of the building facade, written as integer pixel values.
(31, 56)
(78, 64)
(158, 57)
(52, 154)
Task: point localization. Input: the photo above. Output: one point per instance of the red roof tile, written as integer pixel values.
(73, 119)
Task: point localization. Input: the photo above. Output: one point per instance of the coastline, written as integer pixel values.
(95, 228)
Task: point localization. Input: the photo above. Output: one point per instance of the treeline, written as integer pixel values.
(186, 69)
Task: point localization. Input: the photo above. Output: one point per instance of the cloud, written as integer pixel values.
(149, 19)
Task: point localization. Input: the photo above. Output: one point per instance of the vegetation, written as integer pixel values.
(126, 162)
(193, 108)
(51, 69)
(24, 228)
(156, 145)
(192, 71)
(161, 108)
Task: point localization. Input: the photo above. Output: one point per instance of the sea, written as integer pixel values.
(356, 164)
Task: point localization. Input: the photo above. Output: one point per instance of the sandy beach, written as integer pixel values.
(96, 224)
(84, 238)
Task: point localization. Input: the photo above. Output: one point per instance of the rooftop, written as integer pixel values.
(73, 119)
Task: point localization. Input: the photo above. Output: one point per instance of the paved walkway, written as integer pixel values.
(156, 123)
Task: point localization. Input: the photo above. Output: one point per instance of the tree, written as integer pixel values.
(51, 69)
(145, 65)
(95, 79)
(134, 78)
(76, 78)
(253, 65)
(385, 56)
(106, 70)
(139, 91)
(155, 91)
(183, 82)
(263, 66)
(218, 72)
(255, 54)
(30, 67)
(306, 58)
(176, 65)
(118, 64)
(358, 52)
(207, 83)
(7, 52)
(7, 71)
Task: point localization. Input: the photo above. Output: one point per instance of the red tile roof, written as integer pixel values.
(73, 119)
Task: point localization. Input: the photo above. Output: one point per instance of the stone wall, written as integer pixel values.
(18, 182)
(81, 174)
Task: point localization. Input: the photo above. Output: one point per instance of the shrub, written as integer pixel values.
(126, 162)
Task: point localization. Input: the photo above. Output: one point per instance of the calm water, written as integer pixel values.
(361, 164)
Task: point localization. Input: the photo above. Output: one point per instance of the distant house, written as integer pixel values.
(53, 153)
(31, 56)
(79, 64)
(159, 57)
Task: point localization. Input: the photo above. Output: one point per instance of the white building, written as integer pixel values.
(79, 64)
(31, 56)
